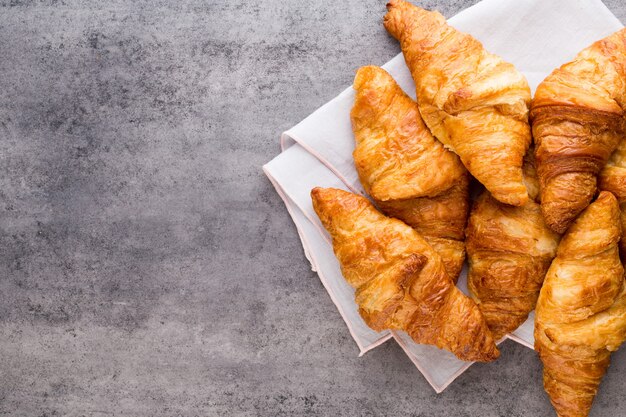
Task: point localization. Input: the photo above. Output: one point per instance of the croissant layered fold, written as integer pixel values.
(509, 250)
(475, 103)
(406, 171)
(400, 280)
(613, 178)
(581, 311)
(577, 118)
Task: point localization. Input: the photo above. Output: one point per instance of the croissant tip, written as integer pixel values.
(557, 219)
(392, 3)
(517, 199)
(317, 194)
(560, 222)
(491, 356)
(604, 195)
(498, 334)
(365, 74)
(558, 227)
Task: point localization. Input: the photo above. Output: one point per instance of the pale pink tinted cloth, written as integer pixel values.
(535, 35)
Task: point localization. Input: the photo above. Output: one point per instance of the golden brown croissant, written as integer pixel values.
(581, 311)
(472, 101)
(509, 251)
(400, 280)
(406, 171)
(577, 121)
(613, 178)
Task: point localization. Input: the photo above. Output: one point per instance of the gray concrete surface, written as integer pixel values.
(147, 267)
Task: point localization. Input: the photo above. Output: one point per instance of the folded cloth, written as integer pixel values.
(537, 36)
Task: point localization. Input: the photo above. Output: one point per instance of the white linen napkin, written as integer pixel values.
(535, 35)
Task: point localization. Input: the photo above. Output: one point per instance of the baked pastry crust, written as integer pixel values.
(474, 102)
(400, 280)
(407, 172)
(509, 252)
(577, 118)
(581, 311)
(613, 178)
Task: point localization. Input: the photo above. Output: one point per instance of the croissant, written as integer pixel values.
(613, 178)
(509, 251)
(581, 311)
(577, 119)
(472, 101)
(400, 280)
(406, 171)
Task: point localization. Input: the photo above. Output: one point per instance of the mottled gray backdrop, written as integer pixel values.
(147, 267)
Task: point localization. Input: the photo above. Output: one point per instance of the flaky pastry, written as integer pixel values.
(577, 118)
(400, 280)
(581, 311)
(474, 102)
(406, 171)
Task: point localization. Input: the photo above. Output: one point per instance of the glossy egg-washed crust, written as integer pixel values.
(399, 278)
(613, 178)
(581, 311)
(577, 118)
(509, 252)
(475, 103)
(406, 171)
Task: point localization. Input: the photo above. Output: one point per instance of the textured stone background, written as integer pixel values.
(147, 267)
